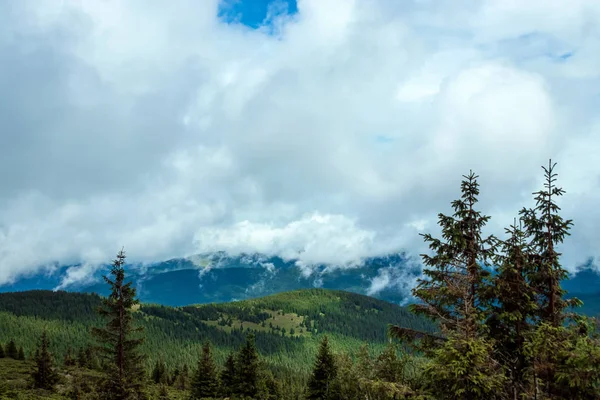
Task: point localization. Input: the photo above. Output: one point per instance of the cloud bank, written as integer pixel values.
(335, 133)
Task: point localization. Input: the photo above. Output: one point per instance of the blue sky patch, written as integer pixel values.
(253, 13)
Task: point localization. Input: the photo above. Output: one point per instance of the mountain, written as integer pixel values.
(218, 277)
(288, 326)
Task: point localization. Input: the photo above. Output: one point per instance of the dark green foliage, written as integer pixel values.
(205, 382)
(2, 354)
(388, 367)
(464, 369)
(69, 361)
(247, 369)
(510, 339)
(320, 384)
(514, 308)
(21, 354)
(546, 229)
(228, 376)
(118, 341)
(11, 350)
(163, 393)
(454, 293)
(44, 374)
(182, 378)
(159, 373)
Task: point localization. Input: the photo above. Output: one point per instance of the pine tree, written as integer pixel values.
(454, 293)
(2, 354)
(44, 374)
(182, 380)
(159, 373)
(118, 340)
(323, 375)
(11, 350)
(247, 369)
(21, 354)
(228, 376)
(205, 382)
(513, 309)
(547, 229)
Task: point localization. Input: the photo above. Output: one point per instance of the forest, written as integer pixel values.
(490, 321)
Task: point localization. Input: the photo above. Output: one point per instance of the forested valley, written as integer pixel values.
(490, 321)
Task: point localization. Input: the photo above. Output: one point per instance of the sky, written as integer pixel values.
(328, 130)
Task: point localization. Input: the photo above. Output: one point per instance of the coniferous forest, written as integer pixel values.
(490, 320)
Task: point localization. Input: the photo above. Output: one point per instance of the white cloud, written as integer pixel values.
(392, 278)
(160, 128)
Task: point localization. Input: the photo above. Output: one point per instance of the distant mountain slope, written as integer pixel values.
(218, 277)
(287, 325)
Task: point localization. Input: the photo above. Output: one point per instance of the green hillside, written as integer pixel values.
(288, 326)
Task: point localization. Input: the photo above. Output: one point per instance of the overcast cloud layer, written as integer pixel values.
(339, 132)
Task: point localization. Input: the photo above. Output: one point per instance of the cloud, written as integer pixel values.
(163, 128)
(400, 278)
(80, 274)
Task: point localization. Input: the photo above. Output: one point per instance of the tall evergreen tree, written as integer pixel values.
(11, 350)
(44, 375)
(454, 291)
(513, 308)
(21, 354)
(547, 229)
(247, 369)
(205, 382)
(119, 341)
(323, 375)
(2, 354)
(228, 376)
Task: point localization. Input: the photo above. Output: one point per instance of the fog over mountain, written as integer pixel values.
(323, 132)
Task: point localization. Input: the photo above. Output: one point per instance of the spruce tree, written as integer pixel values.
(44, 374)
(21, 354)
(323, 375)
(119, 340)
(513, 309)
(247, 369)
(547, 229)
(205, 382)
(159, 373)
(228, 376)
(11, 350)
(454, 291)
(2, 354)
